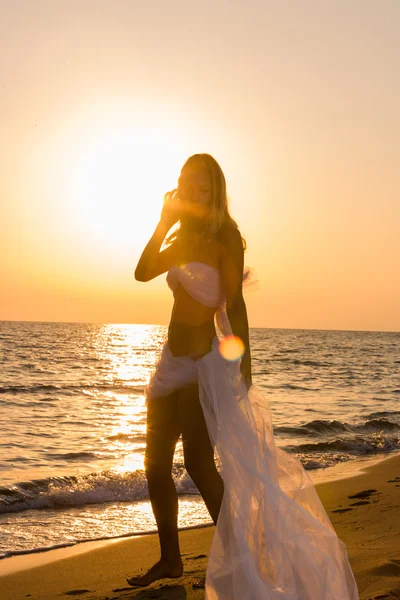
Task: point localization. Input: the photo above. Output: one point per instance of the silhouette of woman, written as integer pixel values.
(273, 539)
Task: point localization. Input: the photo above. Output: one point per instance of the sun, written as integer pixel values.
(119, 177)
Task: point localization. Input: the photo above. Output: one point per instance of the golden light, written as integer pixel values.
(130, 463)
(231, 348)
(131, 364)
(120, 176)
(111, 167)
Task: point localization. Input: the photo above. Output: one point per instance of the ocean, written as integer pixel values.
(73, 420)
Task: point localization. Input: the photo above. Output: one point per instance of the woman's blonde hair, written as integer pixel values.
(219, 212)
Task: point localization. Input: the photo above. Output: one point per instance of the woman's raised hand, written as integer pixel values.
(172, 208)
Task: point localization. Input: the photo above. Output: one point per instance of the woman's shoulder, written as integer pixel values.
(228, 232)
(230, 237)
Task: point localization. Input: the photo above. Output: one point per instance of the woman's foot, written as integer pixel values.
(161, 570)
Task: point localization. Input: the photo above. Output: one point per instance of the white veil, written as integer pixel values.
(273, 539)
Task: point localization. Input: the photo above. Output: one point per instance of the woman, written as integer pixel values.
(273, 538)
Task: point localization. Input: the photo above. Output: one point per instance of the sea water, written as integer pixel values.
(73, 420)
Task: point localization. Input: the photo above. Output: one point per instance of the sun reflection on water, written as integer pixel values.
(130, 463)
(129, 352)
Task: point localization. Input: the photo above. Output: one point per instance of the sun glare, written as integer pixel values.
(117, 179)
(231, 348)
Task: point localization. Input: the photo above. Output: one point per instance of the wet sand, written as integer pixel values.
(364, 508)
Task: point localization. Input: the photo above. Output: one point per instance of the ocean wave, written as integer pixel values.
(67, 389)
(380, 425)
(290, 386)
(71, 455)
(357, 445)
(297, 361)
(110, 486)
(374, 422)
(383, 413)
(95, 488)
(316, 427)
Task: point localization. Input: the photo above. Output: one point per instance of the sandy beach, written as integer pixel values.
(364, 509)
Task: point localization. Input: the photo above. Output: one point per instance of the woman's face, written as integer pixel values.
(194, 189)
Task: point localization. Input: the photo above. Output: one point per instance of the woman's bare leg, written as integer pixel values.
(163, 430)
(198, 450)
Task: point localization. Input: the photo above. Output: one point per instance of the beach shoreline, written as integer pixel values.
(41, 556)
(370, 529)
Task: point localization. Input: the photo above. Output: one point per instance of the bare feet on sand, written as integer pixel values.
(161, 570)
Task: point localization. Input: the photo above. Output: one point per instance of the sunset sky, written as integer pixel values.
(102, 101)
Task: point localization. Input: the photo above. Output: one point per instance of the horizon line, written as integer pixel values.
(165, 325)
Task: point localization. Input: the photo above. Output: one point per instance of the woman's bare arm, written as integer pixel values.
(231, 268)
(153, 262)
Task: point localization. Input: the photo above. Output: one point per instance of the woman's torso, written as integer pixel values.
(191, 329)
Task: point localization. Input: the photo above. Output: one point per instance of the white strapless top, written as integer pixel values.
(200, 280)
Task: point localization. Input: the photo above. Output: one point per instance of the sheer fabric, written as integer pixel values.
(273, 539)
(200, 280)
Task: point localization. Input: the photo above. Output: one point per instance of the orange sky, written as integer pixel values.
(101, 102)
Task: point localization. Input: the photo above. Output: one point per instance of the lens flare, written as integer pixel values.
(231, 348)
